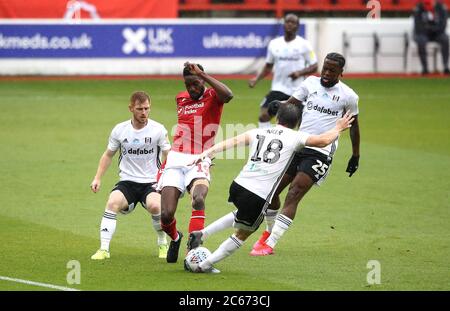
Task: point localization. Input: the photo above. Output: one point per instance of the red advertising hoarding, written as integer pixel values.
(88, 9)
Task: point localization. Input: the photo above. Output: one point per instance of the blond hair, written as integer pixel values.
(140, 97)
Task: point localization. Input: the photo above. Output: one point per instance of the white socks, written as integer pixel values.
(218, 225)
(282, 223)
(263, 125)
(107, 229)
(226, 249)
(156, 222)
(270, 216)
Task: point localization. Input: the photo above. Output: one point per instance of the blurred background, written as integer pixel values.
(84, 37)
(67, 69)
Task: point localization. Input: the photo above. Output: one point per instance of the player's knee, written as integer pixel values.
(198, 202)
(153, 208)
(113, 207)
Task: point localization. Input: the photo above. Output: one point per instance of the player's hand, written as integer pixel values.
(197, 160)
(352, 166)
(295, 75)
(201, 157)
(193, 68)
(95, 185)
(252, 82)
(160, 171)
(345, 122)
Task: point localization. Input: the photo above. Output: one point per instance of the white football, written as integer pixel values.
(195, 257)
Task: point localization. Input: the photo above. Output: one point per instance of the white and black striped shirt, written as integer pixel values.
(139, 150)
(322, 107)
(271, 152)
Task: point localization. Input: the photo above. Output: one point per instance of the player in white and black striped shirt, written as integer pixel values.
(292, 59)
(139, 142)
(271, 151)
(323, 99)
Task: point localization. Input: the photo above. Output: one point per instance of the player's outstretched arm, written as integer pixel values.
(240, 140)
(104, 163)
(263, 73)
(304, 72)
(223, 91)
(328, 137)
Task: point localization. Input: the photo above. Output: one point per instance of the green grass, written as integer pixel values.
(395, 209)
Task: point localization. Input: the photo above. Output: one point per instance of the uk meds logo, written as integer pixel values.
(134, 40)
(156, 40)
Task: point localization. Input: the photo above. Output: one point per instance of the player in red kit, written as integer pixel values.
(199, 111)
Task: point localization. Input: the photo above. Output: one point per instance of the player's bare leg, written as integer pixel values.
(116, 203)
(169, 202)
(153, 206)
(199, 191)
(299, 187)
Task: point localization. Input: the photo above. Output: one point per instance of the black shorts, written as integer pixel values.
(251, 208)
(273, 95)
(311, 162)
(134, 193)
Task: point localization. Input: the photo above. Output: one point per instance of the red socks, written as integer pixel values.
(197, 221)
(171, 229)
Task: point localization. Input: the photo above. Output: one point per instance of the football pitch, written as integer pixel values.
(394, 211)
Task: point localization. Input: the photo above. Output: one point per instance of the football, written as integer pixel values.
(194, 257)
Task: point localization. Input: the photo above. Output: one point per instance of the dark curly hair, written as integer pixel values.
(337, 58)
(187, 72)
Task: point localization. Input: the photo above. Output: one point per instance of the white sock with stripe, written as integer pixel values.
(226, 249)
(282, 223)
(218, 225)
(107, 228)
(270, 216)
(156, 222)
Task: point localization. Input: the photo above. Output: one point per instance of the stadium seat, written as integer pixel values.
(260, 1)
(296, 5)
(400, 5)
(195, 1)
(350, 5)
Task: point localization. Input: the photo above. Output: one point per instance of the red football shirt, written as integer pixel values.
(198, 121)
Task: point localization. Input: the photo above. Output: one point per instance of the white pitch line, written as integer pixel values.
(5, 278)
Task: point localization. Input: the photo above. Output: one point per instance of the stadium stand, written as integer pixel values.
(280, 7)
